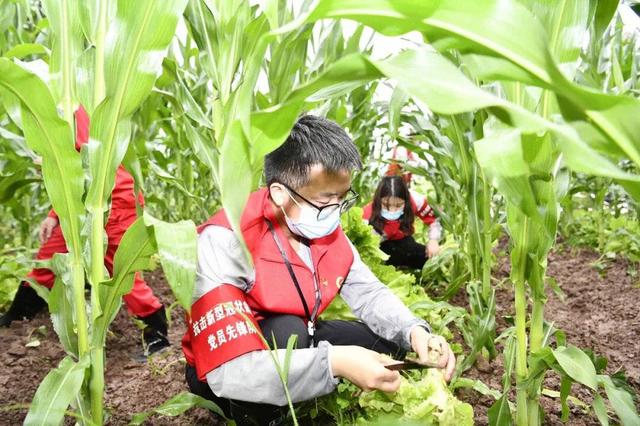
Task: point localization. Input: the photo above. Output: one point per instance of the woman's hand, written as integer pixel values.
(46, 228)
(364, 368)
(433, 248)
(433, 350)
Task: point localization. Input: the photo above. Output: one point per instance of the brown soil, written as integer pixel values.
(132, 386)
(600, 312)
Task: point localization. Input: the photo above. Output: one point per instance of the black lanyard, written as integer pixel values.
(311, 316)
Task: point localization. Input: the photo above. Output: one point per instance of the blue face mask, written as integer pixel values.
(386, 214)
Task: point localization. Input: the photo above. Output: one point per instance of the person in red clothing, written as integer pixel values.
(392, 212)
(140, 302)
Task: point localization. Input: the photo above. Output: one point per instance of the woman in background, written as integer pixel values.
(392, 212)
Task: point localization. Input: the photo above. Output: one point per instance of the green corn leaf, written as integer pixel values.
(175, 406)
(459, 95)
(56, 392)
(577, 365)
(600, 410)
(503, 158)
(398, 99)
(190, 105)
(500, 413)
(236, 176)
(486, 27)
(9, 187)
(509, 361)
(134, 53)
(565, 22)
(67, 47)
(133, 254)
(89, 15)
(61, 306)
(291, 343)
(176, 244)
(204, 151)
(27, 49)
(622, 403)
(51, 137)
(565, 390)
(604, 12)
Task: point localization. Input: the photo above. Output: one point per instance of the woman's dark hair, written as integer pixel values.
(392, 186)
(313, 140)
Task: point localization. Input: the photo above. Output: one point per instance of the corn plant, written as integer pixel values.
(112, 47)
(176, 183)
(446, 145)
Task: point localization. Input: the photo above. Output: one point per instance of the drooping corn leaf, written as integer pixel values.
(51, 137)
(176, 245)
(56, 392)
(175, 406)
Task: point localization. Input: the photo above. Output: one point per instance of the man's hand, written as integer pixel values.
(46, 228)
(364, 368)
(433, 350)
(433, 248)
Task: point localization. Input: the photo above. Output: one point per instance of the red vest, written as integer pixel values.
(273, 291)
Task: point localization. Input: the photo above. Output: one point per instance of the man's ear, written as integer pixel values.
(278, 194)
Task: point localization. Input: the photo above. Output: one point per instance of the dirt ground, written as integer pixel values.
(600, 313)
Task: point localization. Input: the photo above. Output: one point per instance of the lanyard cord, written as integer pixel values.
(311, 317)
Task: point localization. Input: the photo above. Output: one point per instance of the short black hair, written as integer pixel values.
(313, 140)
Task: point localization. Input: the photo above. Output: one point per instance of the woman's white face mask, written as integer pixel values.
(308, 226)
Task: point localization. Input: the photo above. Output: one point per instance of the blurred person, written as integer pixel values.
(140, 302)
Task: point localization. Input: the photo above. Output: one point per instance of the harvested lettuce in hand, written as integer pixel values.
(427, 400)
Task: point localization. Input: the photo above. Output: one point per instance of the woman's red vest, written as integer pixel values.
(273, 292)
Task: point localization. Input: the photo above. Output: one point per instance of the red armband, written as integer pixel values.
(222, 327)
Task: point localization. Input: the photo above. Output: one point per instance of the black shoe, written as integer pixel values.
(25, 305)
(155, 333)
(253, 414)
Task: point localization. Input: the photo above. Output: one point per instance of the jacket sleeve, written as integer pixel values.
(253, 376)
(426, 214)
(377, 306)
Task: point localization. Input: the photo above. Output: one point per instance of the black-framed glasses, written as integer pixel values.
(326, 211)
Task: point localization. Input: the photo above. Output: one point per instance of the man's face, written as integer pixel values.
(322, 189)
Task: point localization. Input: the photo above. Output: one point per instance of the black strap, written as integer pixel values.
(311, 316)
